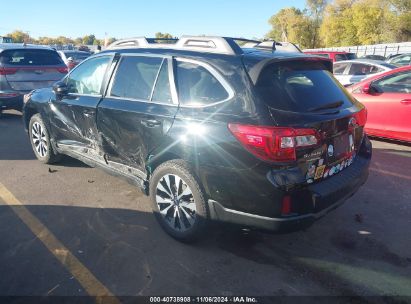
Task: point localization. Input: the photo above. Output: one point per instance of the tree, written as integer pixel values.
(19, 36)
(290, 24)
(315, 10)
(88, 39)
(163, 35)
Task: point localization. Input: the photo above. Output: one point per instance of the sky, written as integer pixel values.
(127, 18)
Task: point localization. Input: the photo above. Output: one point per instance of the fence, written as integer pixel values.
(376, 49)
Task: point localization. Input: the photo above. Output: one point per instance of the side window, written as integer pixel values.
(402, 60)
(339, 68)
(88, 77)
(360, 69)
(196, 85)
(323, 55)
(135, 77)
(162, 91)
(397, 83)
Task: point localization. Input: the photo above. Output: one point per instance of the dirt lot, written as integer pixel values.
(68, 229)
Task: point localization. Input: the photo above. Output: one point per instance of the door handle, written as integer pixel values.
(406, 101)
(151, 123)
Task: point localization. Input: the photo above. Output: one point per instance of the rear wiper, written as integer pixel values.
(332, 105)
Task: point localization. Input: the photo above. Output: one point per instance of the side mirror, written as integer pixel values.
(60, 88)
(366, 89)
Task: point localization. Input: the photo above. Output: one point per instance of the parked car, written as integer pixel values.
(400, 60)
(353, 71)
(334, 56)
(24, 68)
(373, 57)
(73, 58)
(388, 100)
(210, 131)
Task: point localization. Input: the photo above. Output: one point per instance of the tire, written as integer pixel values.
(178, 201)
(40, 141)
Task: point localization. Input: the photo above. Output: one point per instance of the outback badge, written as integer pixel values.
(330, 150)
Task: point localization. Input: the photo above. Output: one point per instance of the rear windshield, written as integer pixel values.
(30, 57)
(300, 87)
(76, 55)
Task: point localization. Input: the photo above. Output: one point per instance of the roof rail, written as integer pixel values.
(209, 44)
(129, 42)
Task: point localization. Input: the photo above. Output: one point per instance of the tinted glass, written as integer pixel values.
(340, 57)
(299, 87)
(135, 77)
(351, 56)
(397, 83)
(339, 68)
(402, 60)
(162, 88)
(88, 77)
(197, 86)
(30, 57)
(323, 55)
(76, 55)
(362, 69)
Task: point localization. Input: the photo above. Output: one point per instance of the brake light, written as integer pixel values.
(7, 71)
(276, 144)
(63, 70)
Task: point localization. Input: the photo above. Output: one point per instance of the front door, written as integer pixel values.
(73, 117)
(139, 109)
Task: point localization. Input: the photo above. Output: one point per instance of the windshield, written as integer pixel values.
(300, 87)
(30, 57)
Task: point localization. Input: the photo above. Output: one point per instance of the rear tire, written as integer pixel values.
(178, 201)
(40, 141)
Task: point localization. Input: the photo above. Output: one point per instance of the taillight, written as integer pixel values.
(361, 117)
(63, 70)
(273, 143)
(7, 71)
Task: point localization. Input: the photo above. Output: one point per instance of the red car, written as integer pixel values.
(333, 55)
(387, 97)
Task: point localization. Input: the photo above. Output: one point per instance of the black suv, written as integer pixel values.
(209, 130)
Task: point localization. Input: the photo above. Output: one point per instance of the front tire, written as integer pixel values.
(40, 141)
(178, 201)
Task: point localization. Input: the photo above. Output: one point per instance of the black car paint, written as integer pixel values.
(232, 177)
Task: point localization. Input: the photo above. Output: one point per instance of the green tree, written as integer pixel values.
(20, 36)
(88, 39)
(291, 24)
(163, 35)
(315, 11)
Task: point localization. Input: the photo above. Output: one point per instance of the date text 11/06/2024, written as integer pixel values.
(222, 299)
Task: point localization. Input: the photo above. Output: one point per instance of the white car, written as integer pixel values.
(349, 72)
(72, 58)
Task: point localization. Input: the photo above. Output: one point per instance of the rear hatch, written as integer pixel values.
(315, 122)
(29, 69)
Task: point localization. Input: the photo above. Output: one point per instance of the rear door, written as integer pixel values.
(73, 116)
(138, 110)
(29, 69)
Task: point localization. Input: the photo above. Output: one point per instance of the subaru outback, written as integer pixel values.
(210, 131)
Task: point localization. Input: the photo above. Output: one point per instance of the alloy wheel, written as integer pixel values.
(38, 136)
(175, 202)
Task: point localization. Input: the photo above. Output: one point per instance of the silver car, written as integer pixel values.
(349, 72)
(24, 68)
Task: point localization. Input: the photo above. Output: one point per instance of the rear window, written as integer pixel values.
(351, 56)
(30, 57)
(76, 55)
(340, 57)
(300, 87)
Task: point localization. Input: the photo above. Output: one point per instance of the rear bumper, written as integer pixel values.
(329, 193)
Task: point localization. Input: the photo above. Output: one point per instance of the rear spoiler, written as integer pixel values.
(256, 70)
